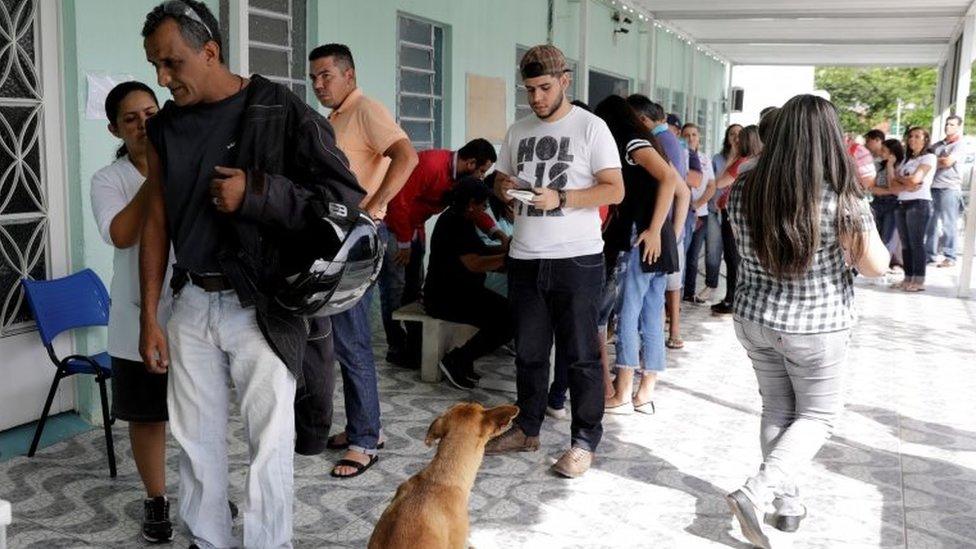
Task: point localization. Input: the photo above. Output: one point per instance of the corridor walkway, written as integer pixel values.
(900, 471)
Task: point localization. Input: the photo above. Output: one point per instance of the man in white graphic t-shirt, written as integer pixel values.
(562, 164)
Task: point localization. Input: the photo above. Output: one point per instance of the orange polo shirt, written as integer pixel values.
(365, 129)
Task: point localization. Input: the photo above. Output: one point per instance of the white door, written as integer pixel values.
(32, 202)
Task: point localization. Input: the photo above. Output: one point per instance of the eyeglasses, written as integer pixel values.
(177, 8)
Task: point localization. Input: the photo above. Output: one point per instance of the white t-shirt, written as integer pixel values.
(565, 154)
(708, 174)
(910, 166)
(112, 188)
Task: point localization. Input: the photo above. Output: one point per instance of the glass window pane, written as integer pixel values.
(280, 6)
(416, 58)
(416, 82)
(299, 62)
(21, 189)
(415, 31)
(27, 239)
(299, 90)
(268, 62)
(268, 30)
(438, 59)
(418, 131)
(522, 112)
(438, 123)
(416, 107)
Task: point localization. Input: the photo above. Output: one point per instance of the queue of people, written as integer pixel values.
(587, 217)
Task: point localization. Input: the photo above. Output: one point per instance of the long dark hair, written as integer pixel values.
(750, 142)
(782, 194)
(624, 123)
(727, 141)
(895, 148)
(925, 148)
(465, 191)
(113, 101)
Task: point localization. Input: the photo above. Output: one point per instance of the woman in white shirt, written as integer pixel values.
(119, 198)
(912, 180)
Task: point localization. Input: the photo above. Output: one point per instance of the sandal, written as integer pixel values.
(619, 410)
(333, 443)
(675, 343)
(645, 408)
(359, 467)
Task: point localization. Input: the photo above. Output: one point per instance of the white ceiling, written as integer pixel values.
(817, 32)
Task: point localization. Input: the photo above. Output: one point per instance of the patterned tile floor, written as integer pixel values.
(900, 471)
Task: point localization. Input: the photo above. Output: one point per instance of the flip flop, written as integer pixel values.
(675, 343)
(331, 443)
(359, 467)
(619, 410)
(645, 408)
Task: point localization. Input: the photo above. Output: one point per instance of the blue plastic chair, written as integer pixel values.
(59, 305)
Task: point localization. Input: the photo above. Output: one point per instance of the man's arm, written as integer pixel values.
(403, 159)
(126, 226)
(153, 255)
(706, 196)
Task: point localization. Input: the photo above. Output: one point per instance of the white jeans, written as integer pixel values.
(801, 380)
(212, 339)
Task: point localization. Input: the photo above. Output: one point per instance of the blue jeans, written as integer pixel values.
(713, 249)
(691, 259)
(945, 215)
(558, 299)
(640, 324)
(354, 350)
(399, 285)
(913, 218)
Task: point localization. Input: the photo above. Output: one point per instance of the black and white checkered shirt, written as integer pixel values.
(820, 300)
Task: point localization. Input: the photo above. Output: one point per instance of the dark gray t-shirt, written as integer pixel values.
(191, 141)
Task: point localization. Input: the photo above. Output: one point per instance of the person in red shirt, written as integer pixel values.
(423, 196)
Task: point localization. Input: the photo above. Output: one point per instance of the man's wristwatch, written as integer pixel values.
(562, 199)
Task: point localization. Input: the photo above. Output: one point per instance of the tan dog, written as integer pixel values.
(430, 509)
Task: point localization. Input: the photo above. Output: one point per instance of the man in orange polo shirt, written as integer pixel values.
(381, 156)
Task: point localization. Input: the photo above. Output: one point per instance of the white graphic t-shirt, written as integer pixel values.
(561, 155)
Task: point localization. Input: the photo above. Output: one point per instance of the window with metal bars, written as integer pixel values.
(420, 81)
(276, 41)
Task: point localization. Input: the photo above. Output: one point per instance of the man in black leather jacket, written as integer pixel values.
(235, 165)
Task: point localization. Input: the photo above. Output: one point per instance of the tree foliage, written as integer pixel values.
(868, 97)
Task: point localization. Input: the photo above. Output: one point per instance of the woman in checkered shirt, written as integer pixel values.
(801, 224)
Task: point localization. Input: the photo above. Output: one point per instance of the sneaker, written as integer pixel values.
(456, 372)
(573, 463)
(747, 514)
(156, 526)
(556, 413)
(722, 308)
(693, 299)
(704, 294)
(475, 377)
(512, 440)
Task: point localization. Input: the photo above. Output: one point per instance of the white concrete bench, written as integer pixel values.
(439, 337)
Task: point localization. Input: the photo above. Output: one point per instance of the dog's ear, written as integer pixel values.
(436, 431)
(499, 418)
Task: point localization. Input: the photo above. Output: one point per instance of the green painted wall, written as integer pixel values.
(99, 36)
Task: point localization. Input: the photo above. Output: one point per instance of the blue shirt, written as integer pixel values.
(672, 147)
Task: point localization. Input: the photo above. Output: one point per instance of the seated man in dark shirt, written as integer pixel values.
(455, 286)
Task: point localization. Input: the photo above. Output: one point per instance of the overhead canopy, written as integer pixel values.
(817, 32)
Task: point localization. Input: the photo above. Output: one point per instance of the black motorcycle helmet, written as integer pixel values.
(341, 255)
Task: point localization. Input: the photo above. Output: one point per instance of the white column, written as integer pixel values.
(583, 67)
(237, 32)
(962, 91)
(651, 57)
(936, 103)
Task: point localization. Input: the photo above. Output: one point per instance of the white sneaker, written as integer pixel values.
(704, 294)
(556, 413)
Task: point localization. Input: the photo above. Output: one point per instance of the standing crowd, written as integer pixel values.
(222, 206)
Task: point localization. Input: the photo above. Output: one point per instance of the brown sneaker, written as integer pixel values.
(573, 463)
(512, 440)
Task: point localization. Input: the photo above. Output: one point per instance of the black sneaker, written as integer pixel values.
(471, 374)
(789, 523)
(156, 526)
(722, 308)
(456, 371)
